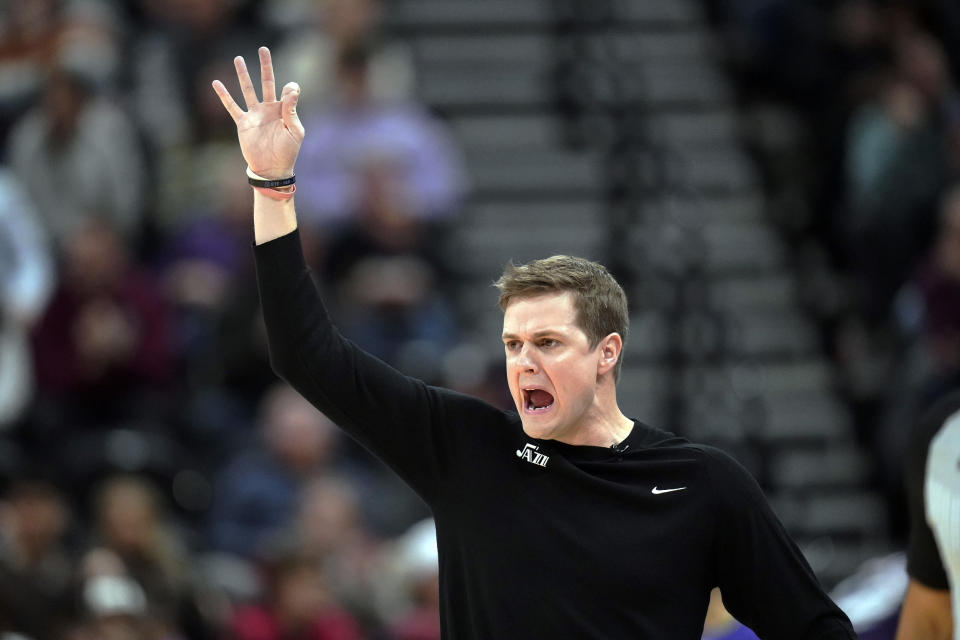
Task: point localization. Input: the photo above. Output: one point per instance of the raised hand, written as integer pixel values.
(270, 131)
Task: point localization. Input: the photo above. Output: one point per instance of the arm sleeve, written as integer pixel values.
(765, 581)
(414, 428)
(923, 558)
(29, 283)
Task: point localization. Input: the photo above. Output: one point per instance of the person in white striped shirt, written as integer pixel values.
(932, 477)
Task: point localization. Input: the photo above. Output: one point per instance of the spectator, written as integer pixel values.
(257, 492)
(78, 156)
(115, 607)
(171, 56)
(202, 258)
(336, 26)
(29, 30)
(103, 347)
(416, 561)
(329, 525)
(131, 525)
(359, 131)
(386, 269)
(298, 605)
(897, 166)
(26, 281)
(35, 567)
(938, 284)
(191, 174)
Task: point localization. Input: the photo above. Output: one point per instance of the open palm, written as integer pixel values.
(270, 131)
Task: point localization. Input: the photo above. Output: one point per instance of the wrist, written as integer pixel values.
(272, 217)
(264, 182)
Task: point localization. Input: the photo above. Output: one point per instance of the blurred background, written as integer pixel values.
(773, 181)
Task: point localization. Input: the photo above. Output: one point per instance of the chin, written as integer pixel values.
(538, 431)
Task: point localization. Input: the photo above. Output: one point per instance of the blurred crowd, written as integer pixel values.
(156, 479)
(852, 108)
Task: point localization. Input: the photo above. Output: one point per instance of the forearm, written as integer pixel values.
(272, 218)
(917, 627)
(926, 614)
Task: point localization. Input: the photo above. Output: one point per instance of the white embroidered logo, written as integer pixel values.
(531, 455)
(657, 491)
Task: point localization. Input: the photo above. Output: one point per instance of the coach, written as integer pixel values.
(564, 519)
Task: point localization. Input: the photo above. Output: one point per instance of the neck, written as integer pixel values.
(605, 425)
(614, 425)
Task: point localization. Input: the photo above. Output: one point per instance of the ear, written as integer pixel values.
(610, 349)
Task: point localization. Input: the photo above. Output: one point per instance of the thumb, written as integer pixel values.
(288, 109)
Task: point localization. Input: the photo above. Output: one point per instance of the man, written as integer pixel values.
(565, 519)
(932, 476)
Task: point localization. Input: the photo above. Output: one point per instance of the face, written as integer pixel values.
(128, 519)
(948, 240)
(551, 370)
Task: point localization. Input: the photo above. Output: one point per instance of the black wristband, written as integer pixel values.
(272, 184)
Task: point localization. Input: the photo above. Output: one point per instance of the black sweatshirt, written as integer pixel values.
(540, 539)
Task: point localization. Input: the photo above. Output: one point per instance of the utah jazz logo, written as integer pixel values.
(531, 455)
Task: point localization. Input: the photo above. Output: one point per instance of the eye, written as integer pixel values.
(549, 342)
(511, 345)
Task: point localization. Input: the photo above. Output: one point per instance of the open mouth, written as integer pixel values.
(537, 400)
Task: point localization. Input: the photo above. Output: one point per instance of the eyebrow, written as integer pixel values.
(537, 334)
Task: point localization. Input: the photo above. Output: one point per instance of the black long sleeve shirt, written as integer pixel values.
(540, 539)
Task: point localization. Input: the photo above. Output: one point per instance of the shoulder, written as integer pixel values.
(926, 430)
(464, 408)
(27, 134)
(733, 486)
(720, 464)
(646, 437)
(718, 467)
(713, 459)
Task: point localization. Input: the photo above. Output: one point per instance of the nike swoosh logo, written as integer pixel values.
(657, 491)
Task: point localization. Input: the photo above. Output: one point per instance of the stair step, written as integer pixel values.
(506, 132)
(550, 173)
(517, 87)
(484, 50)
(418, 14)
(836, 467)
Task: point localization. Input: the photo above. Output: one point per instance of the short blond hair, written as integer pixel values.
(598, 298)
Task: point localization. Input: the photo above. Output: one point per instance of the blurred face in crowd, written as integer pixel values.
(923, 63)
(28, 19)
(95, 258)
(857, 23)
(384, 211)
(552, 370)
(328, 514)
(39, 519)
(195, 15)
(948, 239)
(63, 100)
(348, 21)
(299, 435)
(300, 594)
(128, 517)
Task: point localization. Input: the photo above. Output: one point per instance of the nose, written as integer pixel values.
(526, 360)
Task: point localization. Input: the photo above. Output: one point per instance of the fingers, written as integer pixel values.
(228, 102)
(288, 110)
(246, 84)
(266, 76)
